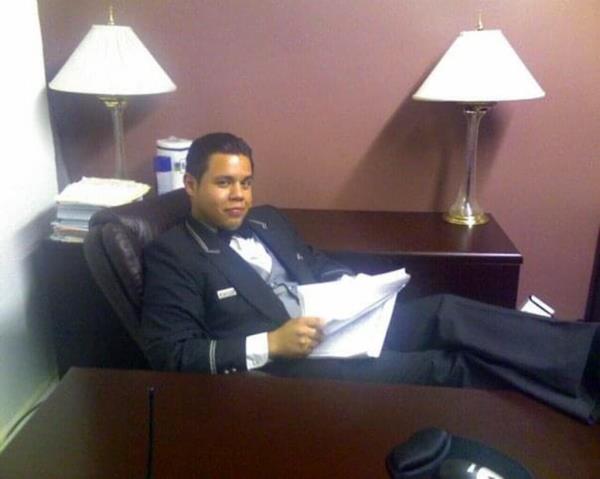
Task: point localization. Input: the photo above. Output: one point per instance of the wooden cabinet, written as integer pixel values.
(85, 330)
(480, 262)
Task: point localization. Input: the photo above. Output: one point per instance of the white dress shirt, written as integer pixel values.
(254, 252)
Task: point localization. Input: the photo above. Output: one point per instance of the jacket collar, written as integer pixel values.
(277, 240)
(240, 274)
(205, 236)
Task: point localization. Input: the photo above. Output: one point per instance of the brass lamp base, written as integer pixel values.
(466, 212)
(466, 220)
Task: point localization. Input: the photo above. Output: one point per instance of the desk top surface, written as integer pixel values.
(423, 234)
(407, 233)
(95, 426)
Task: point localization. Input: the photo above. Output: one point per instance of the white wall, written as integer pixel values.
(27, 189)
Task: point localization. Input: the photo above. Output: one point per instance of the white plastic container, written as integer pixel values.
(162, 170)
(176, 150)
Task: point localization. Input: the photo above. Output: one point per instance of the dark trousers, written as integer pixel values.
(446, 340)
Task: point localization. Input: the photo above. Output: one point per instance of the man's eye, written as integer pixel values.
(247, 183)
(223, 183)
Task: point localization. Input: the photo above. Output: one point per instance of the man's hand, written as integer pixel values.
(296, 338)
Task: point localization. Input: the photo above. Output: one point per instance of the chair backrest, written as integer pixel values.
(114, 245)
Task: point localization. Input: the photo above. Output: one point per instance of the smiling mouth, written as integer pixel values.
(235, 212)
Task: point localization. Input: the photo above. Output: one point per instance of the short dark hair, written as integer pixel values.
(201, 149)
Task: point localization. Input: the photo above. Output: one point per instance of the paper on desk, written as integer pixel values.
(102, 192)
(356, 310)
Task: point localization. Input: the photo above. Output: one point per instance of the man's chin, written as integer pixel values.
(233, 225)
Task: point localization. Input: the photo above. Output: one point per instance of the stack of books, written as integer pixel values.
(79, 201)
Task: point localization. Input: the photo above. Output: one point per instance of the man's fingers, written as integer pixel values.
(313, 322)
(303, 335)
(308, 344)
(313, 334)
(317, 335)
(311, 339)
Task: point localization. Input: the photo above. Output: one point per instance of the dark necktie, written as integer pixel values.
(243, 231)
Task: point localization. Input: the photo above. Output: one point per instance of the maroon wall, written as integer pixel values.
(322, 90)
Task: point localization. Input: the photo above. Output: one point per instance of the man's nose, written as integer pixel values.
(236, 190)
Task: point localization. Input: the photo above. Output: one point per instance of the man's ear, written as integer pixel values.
(190, 183)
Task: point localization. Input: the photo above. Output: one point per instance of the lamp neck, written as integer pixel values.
(474, 114)
(116, 106)
(114, 102)
(111, 14)
(465, 210)
(478, 108)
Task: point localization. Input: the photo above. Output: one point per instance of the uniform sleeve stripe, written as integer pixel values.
(212, 350)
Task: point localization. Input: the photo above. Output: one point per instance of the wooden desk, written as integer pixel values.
(480, 263)
(95, 425)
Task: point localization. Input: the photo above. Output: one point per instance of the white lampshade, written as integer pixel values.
(112, 61)
(479, 67)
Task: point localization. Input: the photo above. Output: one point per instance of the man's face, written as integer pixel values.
(223, 195)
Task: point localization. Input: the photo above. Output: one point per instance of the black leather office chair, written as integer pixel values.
(113, 251)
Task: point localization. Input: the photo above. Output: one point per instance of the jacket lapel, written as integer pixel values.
(281, 246)
(241, 275)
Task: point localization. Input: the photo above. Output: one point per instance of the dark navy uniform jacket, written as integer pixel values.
(201, 299)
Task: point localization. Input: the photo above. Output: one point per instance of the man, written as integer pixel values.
(220, 296)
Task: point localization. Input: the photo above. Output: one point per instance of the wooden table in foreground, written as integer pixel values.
(480, 262)
(95, 426)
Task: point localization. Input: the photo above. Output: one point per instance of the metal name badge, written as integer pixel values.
(226, 293)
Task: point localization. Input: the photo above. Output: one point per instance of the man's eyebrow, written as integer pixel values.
(230, 177)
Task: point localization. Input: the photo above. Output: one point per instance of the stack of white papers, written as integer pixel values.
(356, 310)
(102, 192)
(79, 201)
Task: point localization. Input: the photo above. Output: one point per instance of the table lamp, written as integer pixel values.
(112, 63)
(479, 69)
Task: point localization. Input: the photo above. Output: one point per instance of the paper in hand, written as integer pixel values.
(356, 310)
